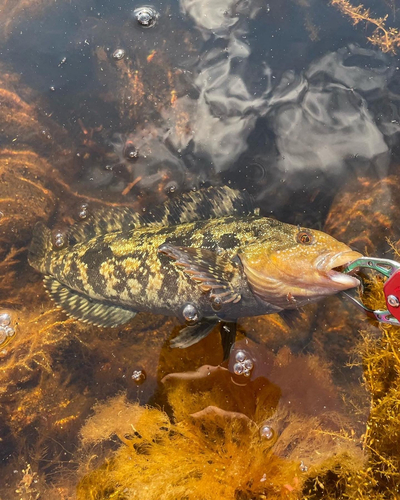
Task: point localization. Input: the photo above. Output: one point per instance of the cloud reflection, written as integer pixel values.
(321, 118)
(327, 126)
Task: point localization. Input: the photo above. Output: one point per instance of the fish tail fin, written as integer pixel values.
(39, 247)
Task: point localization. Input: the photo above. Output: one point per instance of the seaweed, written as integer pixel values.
(24, 195)
(215, 454)
(365, 200)
(386, 38)
(379, 358)
(381, 363)
(222, 438)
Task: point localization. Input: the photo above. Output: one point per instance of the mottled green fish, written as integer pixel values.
(204, 257)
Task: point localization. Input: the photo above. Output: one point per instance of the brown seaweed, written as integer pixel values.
(364, 211)
(226, 438)
(386, 38)
(25, 196)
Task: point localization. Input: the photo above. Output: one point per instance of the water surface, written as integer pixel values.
(284, 98)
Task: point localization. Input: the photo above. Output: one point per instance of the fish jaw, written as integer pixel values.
(339, 281)
(296, 286)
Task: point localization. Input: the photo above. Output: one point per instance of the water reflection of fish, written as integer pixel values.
(203, 257)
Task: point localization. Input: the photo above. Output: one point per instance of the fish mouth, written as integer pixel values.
(334, 265)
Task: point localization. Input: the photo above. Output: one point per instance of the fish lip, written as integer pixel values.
(328, 264)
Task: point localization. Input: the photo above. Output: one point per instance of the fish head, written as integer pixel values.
(289, 266)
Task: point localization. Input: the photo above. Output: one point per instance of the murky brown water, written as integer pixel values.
(284, 98)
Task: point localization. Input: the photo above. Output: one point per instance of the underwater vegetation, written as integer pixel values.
(386, 38)
(377, 200)
(219, 438)
(224, 440)
(12, 9)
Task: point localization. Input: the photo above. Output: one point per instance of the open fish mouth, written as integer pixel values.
(335, 266)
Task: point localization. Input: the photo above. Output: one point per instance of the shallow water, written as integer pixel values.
(287, 99)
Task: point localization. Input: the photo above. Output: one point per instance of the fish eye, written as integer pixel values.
(305, 237)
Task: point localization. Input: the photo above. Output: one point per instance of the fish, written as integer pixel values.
(205, 257)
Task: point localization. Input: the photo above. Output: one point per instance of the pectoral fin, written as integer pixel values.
(213, 273)
(84, 308)
(192, 334)
(290, 316)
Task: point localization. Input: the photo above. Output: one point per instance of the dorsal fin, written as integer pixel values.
(190, 207)
(102, 221)
(205, 204)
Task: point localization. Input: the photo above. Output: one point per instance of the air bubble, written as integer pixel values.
(145, 16)
(139, 376)
(171, 187)
(190, 313)
(248, 364)
(238, 368)
(216, 303)
(5, 319)
(130, 152)
(267, 432)
(118, 54)
(240, 356)
(10, 331)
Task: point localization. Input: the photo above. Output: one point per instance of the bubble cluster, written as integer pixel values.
(139, 376)
(83, 211)
(59, 239)
(6, 330)
(118, 54)
(244, 365)
(190, 313)
(267, 432)
(303, 467)
(145, 16)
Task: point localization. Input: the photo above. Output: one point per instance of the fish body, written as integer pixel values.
(128, 268)
(213, 259)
